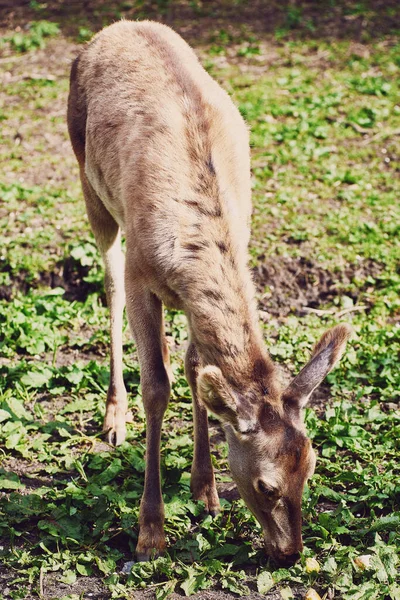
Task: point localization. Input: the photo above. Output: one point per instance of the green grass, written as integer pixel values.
(324, 130)
(34, 37)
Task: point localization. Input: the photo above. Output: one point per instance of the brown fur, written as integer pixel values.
(164, 155)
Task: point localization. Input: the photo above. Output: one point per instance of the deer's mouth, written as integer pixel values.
(286, 560)
(280, 558)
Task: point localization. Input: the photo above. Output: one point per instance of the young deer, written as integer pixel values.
(164, 155)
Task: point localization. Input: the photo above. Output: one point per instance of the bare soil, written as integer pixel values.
(200, 20)
(295, 284)
(91, 588)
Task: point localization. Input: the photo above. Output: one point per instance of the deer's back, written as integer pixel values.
(161, 143)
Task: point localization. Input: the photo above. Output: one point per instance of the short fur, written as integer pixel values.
(164, 155)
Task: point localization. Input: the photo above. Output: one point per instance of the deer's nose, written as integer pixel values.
(288, 560)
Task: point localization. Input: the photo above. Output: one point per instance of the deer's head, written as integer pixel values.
(270, 456)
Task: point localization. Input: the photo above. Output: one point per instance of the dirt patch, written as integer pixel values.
(198, 20)
(290, 285)
(92, 588)
(21, 467)
(71, 276)
(68, 274)
(220, 595)
(284, 285)
(84, 587)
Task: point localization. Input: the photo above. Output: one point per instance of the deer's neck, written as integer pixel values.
(224, 323)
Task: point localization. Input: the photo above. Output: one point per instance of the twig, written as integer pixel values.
(380, 135)
(332, 312)
(41, 582)
(11, 58)
(363, 131)
(318, 311)
(345, 311)
(357, 127)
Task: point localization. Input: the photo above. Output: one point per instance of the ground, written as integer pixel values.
(318, 86)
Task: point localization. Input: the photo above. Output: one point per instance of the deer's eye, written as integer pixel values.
(267, 490)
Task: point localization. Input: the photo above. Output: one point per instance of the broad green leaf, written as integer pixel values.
(4, 415)
(265, 582)
(168, 588)
(281, 575)
(366, 591)
(110, 472)
(386, 523)
(286, 593)
(190, 584)
(37, 379)
(330, 566)
(84, 570)
(10, 481)
(17, 408)
(68, 577)
(106, 566)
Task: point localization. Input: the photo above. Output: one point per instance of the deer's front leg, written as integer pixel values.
(151, 542)
(202, 481)
(145, 318)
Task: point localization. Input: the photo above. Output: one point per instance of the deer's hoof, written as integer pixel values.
(115, 436)
(151, 543)
(209, 495)
(148, 555)
(114, 426)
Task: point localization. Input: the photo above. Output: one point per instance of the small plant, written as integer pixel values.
(84, 34)
(249, 50)
(220, 42)
(372, 86)
(293, 16)
(365, 117)
(34, 37)
(163, 6)
(293, 19)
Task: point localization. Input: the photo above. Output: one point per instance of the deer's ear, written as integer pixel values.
(215, 393)
(327, 352)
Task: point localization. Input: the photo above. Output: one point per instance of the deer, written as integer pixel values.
(164, 157)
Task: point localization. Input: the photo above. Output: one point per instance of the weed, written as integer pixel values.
(84, 34)
(34, 37)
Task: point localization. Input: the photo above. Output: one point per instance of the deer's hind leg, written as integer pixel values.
(108, 238)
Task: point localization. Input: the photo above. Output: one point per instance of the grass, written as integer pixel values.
(33, 38)
(324, 124)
